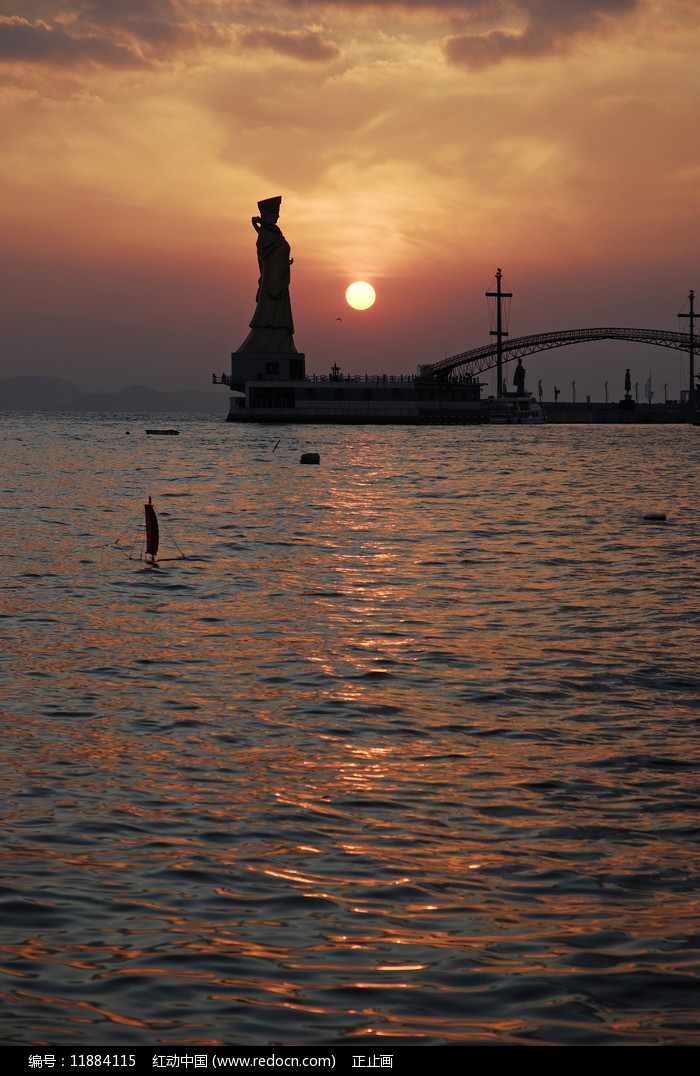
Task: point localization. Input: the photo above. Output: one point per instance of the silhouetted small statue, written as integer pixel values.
(519, 378)
(628, 385)
(272, 325)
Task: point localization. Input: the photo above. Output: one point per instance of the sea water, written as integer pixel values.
(405, 748)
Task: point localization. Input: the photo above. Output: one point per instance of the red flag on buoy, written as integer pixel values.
(152, 536)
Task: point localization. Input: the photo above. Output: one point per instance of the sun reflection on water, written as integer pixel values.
(402, 750)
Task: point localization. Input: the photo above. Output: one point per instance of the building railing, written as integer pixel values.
(385, 379)
(381, 379)
(340, 379)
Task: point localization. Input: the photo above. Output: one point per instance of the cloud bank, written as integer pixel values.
(119, 33)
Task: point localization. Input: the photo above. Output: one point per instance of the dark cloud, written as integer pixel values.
(128, 33)
(111, 10)
(150, 22)
(549, 27)
(38, 42)
(301, 44)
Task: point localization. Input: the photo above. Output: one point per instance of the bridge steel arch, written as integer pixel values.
(471, 363)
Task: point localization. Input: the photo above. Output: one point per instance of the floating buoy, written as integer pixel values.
(310, 457)
(655, 517)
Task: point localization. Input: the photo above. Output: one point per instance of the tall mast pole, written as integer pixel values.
(499, 295)
(691, 316)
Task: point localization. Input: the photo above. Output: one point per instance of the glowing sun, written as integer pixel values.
(360, 295)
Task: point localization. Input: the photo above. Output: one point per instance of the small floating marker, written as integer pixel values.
(655, 517)
(310, 457)
(164, 433)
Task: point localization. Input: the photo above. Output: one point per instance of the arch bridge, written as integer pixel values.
(471, 363)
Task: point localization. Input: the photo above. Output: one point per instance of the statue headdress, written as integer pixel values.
(272, 204)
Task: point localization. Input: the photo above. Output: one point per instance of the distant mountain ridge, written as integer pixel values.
(57, 394)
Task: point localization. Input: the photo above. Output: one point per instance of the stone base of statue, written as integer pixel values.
(268, 339)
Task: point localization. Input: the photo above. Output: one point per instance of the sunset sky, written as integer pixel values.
(417, 146)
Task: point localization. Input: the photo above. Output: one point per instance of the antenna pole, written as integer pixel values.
(499, 295)
(691, 316)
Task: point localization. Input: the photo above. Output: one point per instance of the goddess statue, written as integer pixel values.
(272, 327)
